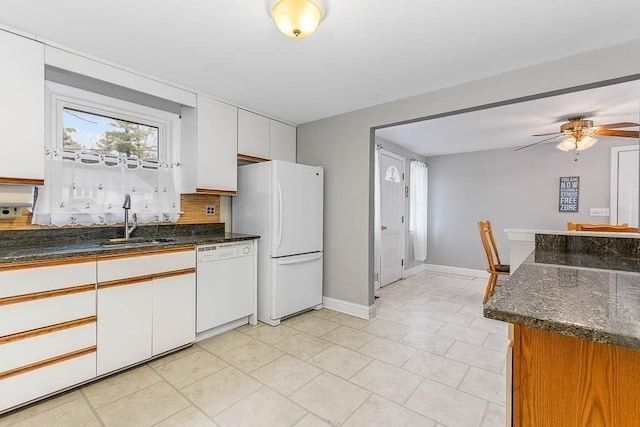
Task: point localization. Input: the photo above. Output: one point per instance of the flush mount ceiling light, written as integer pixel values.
(297, 18)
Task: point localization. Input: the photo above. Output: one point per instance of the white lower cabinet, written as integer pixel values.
(47, 329)
(57, 331)
(174, 312)
(146, 306)
(32, 384)
(124, 325)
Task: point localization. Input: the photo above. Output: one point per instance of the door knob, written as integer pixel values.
(384, 227)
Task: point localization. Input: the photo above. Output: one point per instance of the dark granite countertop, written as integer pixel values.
(22, 246)
(585, 295)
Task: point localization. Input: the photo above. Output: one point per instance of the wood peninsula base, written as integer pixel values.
(565, 381)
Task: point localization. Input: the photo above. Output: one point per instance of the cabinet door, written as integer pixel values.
(282, 142)
(253, 135)
(174, 312)
(217, 149)
(124, 325)
(22, 109)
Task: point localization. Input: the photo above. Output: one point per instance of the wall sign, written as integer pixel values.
(569, 193)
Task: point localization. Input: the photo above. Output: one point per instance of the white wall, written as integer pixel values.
(343, 145)
(512, 189)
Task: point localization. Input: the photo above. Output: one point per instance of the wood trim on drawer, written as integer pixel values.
(46, 294)
(145, 278)
(48, 329)
(23, 181)
(173, 273)
(47, 362)
(147, 252)
(252, 158)
(219, 192)
(48, 263)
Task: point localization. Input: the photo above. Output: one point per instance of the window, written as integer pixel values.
(109, 136)
(99, 149)
(392, 174)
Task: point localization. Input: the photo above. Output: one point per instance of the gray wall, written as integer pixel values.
(513, 189)
(343, 144)
(409, 261)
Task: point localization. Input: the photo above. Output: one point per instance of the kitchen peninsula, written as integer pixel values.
(575, 306)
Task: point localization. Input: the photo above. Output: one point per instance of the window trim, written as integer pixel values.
(59, 96)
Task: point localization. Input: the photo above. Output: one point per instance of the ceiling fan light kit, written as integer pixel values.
(297, 18)
(581, 133)
(579, 144)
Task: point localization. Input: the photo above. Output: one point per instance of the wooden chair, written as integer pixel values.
(621, 228)
(496, 268)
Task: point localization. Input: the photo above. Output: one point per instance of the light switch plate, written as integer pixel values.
(598, 211)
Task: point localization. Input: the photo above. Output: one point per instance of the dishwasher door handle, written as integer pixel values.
(313, 257)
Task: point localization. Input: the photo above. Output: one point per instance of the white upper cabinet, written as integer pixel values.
(264, 138)
(282, 142)
(216, 147)
(22, 109)
(253, 135)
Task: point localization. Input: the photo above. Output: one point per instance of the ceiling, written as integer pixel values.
(364, 53)
(513, 125)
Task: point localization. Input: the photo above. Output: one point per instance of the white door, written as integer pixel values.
(296, 220)
(296, 284)
(391, 217)
(124, 325)
(625, 176)
(174, 312)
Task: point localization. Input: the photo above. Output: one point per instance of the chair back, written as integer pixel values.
(489, 245)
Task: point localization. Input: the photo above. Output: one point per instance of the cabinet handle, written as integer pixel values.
(383, 227)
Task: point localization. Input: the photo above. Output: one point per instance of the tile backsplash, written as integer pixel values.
(193, 207)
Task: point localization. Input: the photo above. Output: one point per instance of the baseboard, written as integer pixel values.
(221, 329)
(414, 270)
(456, 270)
(346, 307)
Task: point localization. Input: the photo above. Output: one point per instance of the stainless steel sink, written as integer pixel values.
(137, 241)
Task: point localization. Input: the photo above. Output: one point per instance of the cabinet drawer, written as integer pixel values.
(39, 382)
(39, 279)
(21, 352)
(38, 313)
(135, 266)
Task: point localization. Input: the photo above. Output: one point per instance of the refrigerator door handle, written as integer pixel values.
(280, 215)
(298, 261)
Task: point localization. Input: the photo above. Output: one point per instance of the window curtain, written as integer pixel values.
(87, 188)
(418, 208)
(376, 216)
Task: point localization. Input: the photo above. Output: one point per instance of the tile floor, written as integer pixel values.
(428, 359)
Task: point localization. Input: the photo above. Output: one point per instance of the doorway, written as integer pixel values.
(625, 178)
(391, 207)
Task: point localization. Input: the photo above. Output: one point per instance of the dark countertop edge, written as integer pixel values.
(98, 250)
(571, 330)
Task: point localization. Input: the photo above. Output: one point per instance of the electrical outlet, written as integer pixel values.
(10, 213)
(210, 210)
(598, 211)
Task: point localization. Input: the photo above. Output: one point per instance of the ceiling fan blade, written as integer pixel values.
(538, 142)
(618, 125)
(621, 133)
(547, 134)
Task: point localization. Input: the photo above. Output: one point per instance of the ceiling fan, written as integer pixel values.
(580, 133)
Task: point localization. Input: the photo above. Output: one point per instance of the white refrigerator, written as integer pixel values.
(282, 202)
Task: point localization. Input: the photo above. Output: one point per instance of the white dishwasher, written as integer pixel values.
(226, 285)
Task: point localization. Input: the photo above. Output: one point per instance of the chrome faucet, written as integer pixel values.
(126, 206)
